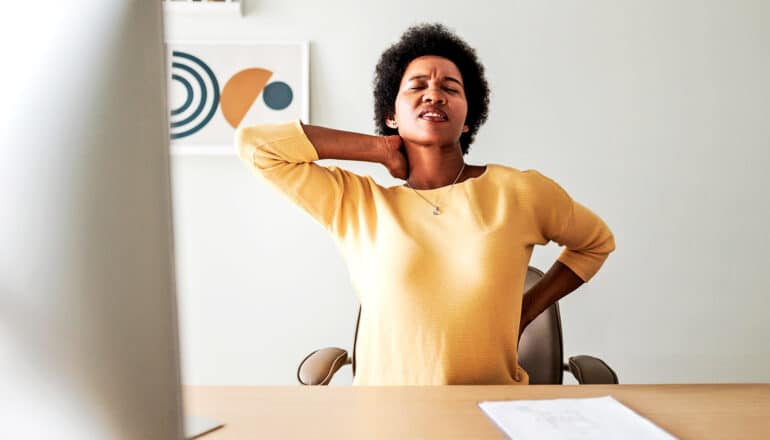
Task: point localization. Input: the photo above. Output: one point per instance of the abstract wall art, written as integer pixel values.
(215, 87)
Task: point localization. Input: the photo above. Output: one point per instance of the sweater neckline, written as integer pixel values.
(467, 181)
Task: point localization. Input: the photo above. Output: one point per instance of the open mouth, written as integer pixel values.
(433, 115)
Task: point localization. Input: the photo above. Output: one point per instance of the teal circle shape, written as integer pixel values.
(277, 95)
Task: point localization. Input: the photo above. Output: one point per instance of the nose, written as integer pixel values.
(433, 96)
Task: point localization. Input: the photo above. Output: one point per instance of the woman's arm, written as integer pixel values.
(587, 239)
(557, 283)
(284, 154)
(346, 145)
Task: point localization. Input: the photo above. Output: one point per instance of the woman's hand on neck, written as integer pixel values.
(433, 166)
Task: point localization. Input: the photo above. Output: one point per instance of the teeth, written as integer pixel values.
(435, 115)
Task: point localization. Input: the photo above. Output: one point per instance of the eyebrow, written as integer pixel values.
(446, 78)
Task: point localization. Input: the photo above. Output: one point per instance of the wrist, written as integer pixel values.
(526, 310)
(389, 150)
(383, 150)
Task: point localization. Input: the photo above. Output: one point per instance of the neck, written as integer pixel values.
(432, 166)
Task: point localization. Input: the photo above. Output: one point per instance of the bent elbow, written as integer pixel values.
(610, 242)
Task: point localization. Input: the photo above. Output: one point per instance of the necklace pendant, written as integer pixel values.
(436, 210)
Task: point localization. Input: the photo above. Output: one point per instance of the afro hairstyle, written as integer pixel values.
(430, 39)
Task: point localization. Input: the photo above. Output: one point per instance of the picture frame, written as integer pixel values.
(214, 87)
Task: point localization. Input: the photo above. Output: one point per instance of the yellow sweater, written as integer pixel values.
(440, 294)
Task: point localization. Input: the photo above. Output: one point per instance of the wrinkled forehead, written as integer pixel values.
(431, 66)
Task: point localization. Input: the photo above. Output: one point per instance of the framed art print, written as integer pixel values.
(216, 87)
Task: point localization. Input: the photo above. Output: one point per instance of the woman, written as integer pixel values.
(438, 263)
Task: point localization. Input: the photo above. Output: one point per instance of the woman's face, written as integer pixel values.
(431, 105)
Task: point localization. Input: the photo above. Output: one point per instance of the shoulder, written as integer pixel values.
(526, 185)
(517, 177)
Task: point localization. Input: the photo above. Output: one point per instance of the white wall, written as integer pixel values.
(654, 114)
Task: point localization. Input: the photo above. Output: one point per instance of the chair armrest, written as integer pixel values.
(590, 370)
(319, 366)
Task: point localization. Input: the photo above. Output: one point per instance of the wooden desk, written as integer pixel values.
(687, 411)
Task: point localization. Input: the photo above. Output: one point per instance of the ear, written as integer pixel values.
(390, 122)
(466, 129)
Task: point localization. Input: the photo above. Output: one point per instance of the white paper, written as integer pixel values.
(195, 426)
(571, 419)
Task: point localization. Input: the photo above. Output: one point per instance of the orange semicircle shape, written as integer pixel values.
(240, 92)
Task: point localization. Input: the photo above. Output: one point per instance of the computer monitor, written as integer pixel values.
(88, 328)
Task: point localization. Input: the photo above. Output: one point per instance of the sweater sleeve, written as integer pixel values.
(283, 155)
(588, 240)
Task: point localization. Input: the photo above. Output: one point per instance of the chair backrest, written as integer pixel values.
(541, 352)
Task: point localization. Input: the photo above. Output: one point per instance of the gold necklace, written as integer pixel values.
(436, 208)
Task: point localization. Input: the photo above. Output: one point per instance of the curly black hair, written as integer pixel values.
(430, 39)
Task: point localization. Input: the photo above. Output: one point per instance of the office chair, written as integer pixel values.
(540, 353)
